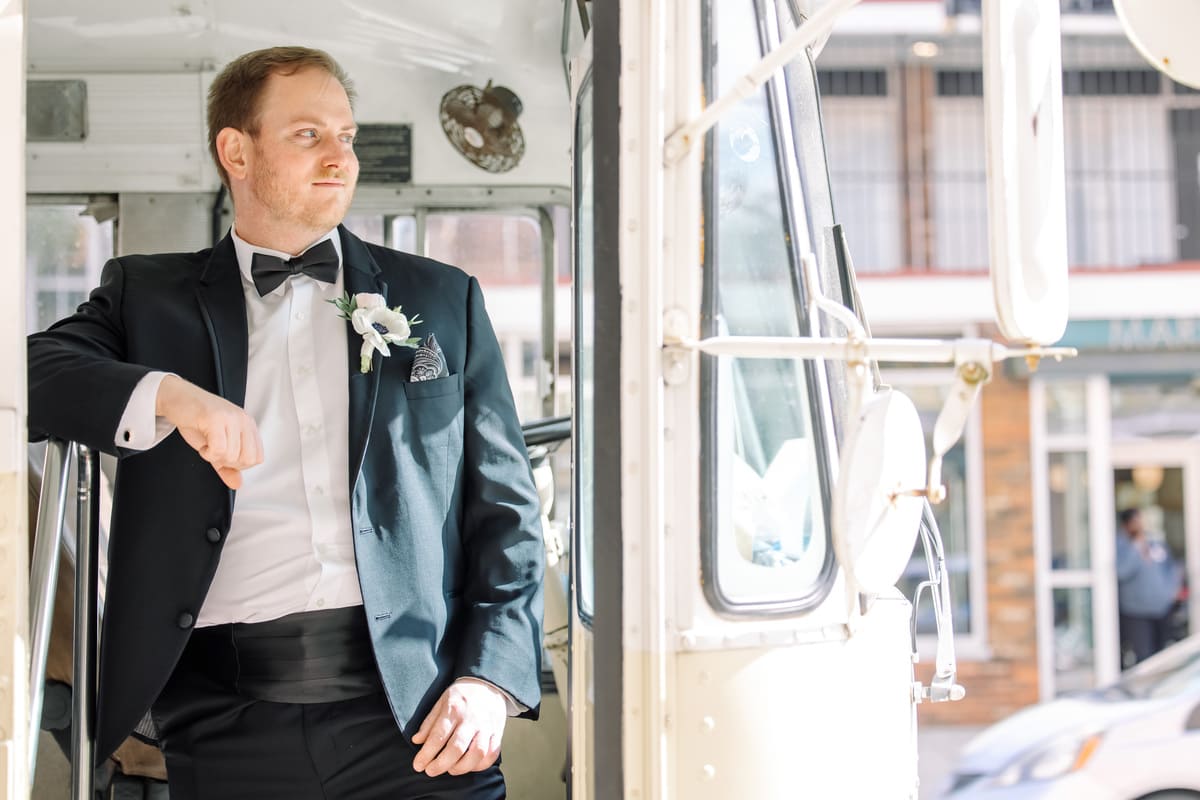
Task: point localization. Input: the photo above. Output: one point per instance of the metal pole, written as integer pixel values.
(87, 551)
(43, 578)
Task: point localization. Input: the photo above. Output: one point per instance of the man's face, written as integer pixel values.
(301, 165)
(1134, 526)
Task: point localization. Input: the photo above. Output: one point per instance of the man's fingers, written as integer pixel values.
(427, 723)
(480, 755)
(251, 446)
(437, 736)
(231, 477)
(454, 751)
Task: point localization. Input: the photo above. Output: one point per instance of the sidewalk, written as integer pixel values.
(937, 749)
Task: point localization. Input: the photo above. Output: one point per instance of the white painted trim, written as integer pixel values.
(1102, 523)
(14, 548)
(1044, 607)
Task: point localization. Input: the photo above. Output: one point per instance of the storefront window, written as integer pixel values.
(1070, 534)
(1066, 407)
(1074, 644)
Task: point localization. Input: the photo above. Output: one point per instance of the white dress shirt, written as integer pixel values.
(289, 546)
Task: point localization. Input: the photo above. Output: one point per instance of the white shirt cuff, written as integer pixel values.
(514, 708)
(139, 428)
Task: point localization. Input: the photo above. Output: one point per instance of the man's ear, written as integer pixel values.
(231, 149)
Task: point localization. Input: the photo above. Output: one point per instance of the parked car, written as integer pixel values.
(1138, 739)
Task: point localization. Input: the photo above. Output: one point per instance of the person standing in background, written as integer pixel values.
(1148, 585)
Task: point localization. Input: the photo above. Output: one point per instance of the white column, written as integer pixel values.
(14, 556)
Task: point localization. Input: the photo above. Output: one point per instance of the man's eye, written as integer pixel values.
(308, 134)
(349, 138)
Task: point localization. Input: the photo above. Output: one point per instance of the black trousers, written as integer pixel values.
(221, 744)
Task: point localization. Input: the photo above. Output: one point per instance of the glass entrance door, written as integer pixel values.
(1161, 479)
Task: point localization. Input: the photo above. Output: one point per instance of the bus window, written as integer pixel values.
(504, 252)
(404, 233)
(584, 374)
(65, 250)
(766, 541)
(375, 228)
(368, 227)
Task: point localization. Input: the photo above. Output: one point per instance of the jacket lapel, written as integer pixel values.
(361, 274)
(223, 307)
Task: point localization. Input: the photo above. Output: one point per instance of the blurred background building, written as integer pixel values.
(1035, 484)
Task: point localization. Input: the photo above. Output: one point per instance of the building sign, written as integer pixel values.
(1133, 335)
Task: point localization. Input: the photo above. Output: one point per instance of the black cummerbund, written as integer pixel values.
(310, 657)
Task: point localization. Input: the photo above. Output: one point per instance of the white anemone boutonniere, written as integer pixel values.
(378, 325)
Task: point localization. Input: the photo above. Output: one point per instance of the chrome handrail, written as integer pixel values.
(43, 580)
(87, 557)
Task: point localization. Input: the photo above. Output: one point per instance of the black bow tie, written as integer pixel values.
(319, 262)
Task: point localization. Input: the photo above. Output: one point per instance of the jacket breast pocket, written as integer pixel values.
(438, 387)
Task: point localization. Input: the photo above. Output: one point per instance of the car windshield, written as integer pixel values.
(1170, 672)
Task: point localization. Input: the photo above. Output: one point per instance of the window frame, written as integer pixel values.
(790, 180)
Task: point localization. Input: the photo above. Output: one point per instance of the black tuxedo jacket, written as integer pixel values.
(444, 512)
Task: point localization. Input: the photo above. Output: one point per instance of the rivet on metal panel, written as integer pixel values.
(709, 772)
(707, 725)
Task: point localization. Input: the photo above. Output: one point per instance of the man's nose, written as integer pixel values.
(337, 153)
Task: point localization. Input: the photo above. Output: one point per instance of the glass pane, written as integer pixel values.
(504, 253)
(951, 514)
(1074, 647)
(368, 227)
(404, 234)
(584, 357)
(1070, 538)
(1066, 407)
(1156, 409)
(65, 252)
(770, 519)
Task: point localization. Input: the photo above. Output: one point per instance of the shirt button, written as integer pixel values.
(213, 535)
(185, 620)
(321, 603)
(300, 316)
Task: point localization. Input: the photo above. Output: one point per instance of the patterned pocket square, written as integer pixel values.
(429, 362)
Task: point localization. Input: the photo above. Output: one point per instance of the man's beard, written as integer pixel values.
(284, 206)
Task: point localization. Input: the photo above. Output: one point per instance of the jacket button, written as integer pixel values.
(213, 535)
(185, 620)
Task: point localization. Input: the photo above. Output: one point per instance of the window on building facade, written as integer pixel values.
(862, 143)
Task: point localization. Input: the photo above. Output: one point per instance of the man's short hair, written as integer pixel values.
(233, 98)
(1126, 515)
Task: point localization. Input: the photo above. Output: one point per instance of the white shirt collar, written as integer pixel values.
(245, 253)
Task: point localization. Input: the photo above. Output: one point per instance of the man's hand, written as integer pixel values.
(223, 434)
(462, 734)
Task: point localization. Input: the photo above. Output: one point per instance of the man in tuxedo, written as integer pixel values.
(324, 575)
